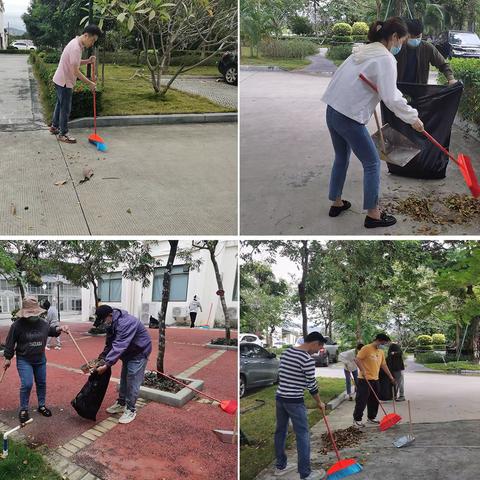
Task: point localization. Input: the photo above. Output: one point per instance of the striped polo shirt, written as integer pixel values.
(295, 374)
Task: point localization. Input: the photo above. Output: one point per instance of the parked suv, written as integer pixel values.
(258, 367)
(250, 338)
(23, 45)
(455, 43)
(228, 67)
(326, 355)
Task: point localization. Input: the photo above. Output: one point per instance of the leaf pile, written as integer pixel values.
(152, 380)
(455, 209)
(348, 437)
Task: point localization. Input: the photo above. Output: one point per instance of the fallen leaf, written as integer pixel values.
(13, 209)
(129, 211)
(60, 182)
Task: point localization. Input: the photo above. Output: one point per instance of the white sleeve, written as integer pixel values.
(391, 96)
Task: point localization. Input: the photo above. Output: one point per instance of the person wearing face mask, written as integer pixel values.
(27, 339)
(370, 359)
(65, 77)
(351, 103)
(127, 340)
(296, 373)
(416, 56)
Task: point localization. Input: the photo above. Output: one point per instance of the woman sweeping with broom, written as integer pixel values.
(351, 104)
(27, 339)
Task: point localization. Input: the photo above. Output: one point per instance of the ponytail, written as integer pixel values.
(384, 30)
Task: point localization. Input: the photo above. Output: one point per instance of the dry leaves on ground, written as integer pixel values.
(344, 438)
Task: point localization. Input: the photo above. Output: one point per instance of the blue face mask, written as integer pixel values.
(414, 42)
(395, 50)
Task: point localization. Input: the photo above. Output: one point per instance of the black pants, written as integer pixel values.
(365, 398)
(193, 316)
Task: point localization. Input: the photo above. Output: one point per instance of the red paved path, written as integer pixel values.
(163, 442)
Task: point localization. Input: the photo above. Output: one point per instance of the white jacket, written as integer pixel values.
(348, 359)
(351, 96)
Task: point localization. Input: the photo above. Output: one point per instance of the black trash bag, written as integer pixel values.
(437, 106)
(90, 398)
(385, 387)
(154, 322)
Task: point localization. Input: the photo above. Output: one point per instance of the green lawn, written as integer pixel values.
(23, 463)
(453, 366)
(286, 63)
(259, 425)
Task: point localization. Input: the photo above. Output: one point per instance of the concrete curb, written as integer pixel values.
(221, 347)
(262, 68)
(178, 399)
(130, 120)
(337, 401)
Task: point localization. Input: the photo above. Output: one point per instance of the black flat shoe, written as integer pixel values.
(23, 416)
(336, 211)
(45, 411)
(384, 221)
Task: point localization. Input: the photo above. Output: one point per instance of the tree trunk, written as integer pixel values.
(302, 295)
(95, 293)
(474, 329)
(21, 288)
(163, 309)
(212, 246)
(379, 7)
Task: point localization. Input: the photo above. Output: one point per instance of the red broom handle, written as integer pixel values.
(435, 142)
(188, 386)
(94, 101)
(337, 453)
(376, 396)
(3, 374)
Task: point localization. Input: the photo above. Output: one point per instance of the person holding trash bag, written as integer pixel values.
(351, 103)
(350, 368)
(370, 360)
(127, 339)
(396, 365)
(416, 56)
(53, 320)
(27, 339)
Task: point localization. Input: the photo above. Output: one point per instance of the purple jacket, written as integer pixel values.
(126, 338)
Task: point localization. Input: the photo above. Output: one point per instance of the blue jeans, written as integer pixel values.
(298, 414)
(348, 379)
(27, 370)
(347, 136)
(62, 108)
(133, 372)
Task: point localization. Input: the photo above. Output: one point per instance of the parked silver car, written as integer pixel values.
(258, 367)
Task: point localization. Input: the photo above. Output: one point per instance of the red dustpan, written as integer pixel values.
(463, 162)
(95, 139)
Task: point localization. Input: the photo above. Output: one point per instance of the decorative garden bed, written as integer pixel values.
(223, 344)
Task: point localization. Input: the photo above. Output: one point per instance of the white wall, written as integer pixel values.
(3, 40)
(202, 283)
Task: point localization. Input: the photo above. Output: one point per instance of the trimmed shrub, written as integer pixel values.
(359, 38)
(468, 71)
(424, 340)
(429, 357)
(82, 99)
(295, 48)
(360, 28)
(51, 57)
(342, 29)
(339, 52)
(342, 39)
(438, 339)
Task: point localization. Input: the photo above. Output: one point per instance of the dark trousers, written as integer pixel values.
(365, 398)
(62, 108)
(193, 317)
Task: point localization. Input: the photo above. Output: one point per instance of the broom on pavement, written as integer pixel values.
(390, 419)
(95, 139)
(343, 467)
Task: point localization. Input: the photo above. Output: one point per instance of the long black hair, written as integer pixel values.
(384, 30)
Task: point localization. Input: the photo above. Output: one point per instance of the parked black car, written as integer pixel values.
(456, 43)
(228, 67)
(258, 367)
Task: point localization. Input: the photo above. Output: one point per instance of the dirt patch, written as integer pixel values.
(454, 209)
(223, 341)
(152, 380)
(346, 438)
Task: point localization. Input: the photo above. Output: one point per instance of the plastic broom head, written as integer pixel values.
(95, 138)
(343, 468)
(102, 147)
(468, 173)
(229, 406)
(389, 421)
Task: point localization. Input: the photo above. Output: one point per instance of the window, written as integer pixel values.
(178, 284)
(235, 287)
(110, 287)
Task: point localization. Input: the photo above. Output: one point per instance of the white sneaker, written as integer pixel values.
(316, 475)
(374, 422)
(58, 348)
(127, 417)
(116, 408)
(358, 424)
(289, 468)
(47, 348)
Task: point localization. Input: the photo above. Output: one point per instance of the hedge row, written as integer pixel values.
(295, 48)
(468, 71)
(339, 52)
(82, 100)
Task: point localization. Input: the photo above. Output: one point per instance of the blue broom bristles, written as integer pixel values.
(102, 147)
(346, 472)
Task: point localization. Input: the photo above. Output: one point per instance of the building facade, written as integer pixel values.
(129, 295)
